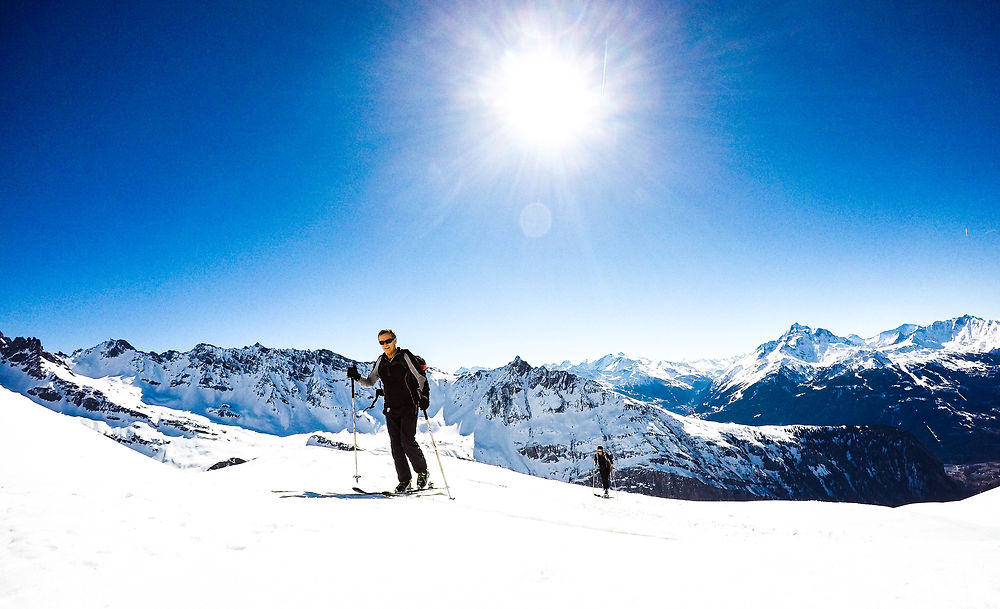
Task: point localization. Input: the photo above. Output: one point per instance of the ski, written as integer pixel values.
(430, 490)
(361, 491)
(603, 496)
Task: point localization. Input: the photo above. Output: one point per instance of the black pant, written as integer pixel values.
(606, 478)
(403, 441)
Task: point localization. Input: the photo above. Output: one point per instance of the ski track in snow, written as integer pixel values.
(86, 523)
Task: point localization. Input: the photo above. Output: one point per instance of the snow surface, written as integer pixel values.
(85, 522)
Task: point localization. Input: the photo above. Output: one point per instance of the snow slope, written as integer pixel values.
(88, 523)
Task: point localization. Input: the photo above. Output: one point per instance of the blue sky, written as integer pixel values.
(302, 175)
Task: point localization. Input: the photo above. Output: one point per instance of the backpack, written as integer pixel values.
(418, 369)
(607, 457)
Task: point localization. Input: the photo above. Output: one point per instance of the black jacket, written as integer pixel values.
(404, 380)
(604, 461)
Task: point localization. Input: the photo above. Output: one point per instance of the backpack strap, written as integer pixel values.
(420, 375)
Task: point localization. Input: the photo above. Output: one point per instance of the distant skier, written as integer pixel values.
(404, 381)
(606, 464)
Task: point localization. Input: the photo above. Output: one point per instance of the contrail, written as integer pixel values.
(604, 76)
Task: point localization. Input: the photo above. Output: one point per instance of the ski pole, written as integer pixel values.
(354, 420)
(436, 454)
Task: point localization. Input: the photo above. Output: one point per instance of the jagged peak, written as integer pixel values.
(967, 319)
(519, 366)
(965, 332)
(113, 347)
(27, 353)
(805, 344)
(798, 333)
(22, 343)
(797, 328)
(610, 358)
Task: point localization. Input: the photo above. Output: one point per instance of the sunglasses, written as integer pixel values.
(386, 341)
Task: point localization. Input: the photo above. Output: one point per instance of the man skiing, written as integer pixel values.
(404, 381)
(606, 464)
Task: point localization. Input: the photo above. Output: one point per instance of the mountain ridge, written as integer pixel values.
(528, 419)
(934, 381)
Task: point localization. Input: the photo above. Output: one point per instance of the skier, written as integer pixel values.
(606, 464)
(404, 382)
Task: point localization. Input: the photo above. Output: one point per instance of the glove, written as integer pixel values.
(353, 374)
(424, 403)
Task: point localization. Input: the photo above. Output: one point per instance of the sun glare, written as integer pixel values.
(546, 92)
(544, 100)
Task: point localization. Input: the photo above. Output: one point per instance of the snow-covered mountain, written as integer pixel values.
(531, 420)
(278, 391)
(938, 381)
(676, 385)
(966, 334)
(549, 423)
(171, 425)
(805, 352)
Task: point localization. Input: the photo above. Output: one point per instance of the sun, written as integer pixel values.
(545, 100)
